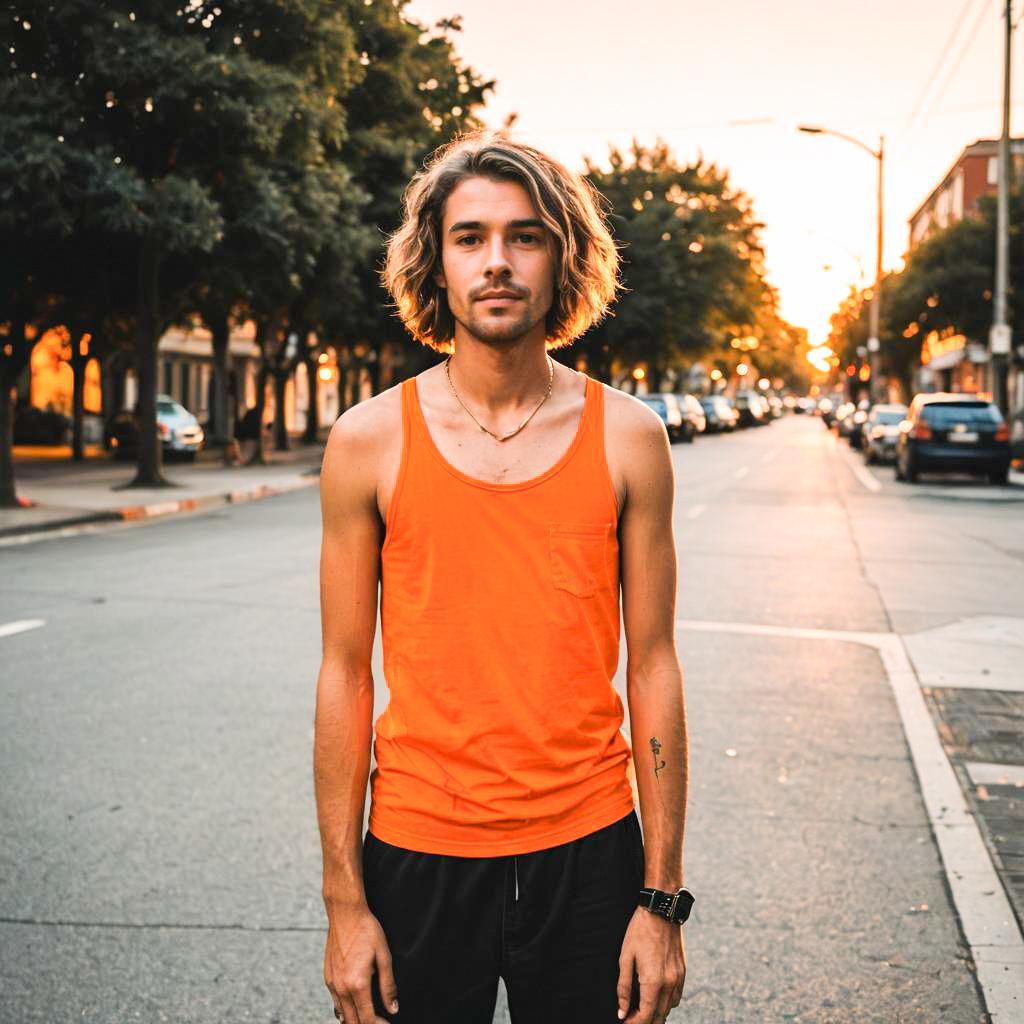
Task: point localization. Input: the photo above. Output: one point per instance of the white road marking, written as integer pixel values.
(866, 477)
(21, 626)
(695, 511)
(995, 774)
(988, 922)
(768, 456)
(741, 472)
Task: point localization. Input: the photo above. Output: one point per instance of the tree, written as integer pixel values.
(692, 263)
(946, 284)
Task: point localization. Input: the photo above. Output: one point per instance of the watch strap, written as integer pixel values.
(673, 906)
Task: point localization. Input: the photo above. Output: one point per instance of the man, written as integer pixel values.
(501, 500)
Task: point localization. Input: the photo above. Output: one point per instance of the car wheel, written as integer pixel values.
(869, 457)
(999, 476)
(688, 436)
(910, 471)
(899, 469)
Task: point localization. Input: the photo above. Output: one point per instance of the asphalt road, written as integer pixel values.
(159, 857)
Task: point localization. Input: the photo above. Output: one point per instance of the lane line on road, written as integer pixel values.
(983, 774)
(20, 626)
(695, 511)
(741, 472)
(860, 471)
(986, 917)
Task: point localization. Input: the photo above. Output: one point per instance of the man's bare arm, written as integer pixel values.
(349, 572)
(654, 679)
(654, 690)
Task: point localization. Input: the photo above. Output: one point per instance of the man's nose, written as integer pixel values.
(497, 258)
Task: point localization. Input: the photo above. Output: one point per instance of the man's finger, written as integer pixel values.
(348, 1010)
(677, 991)
(364, 1006)
(645, 1012)
(664, 1003)
(625, 986)
(386, 979)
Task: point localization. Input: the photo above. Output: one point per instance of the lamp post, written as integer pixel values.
(876, 298)
(1000, 332)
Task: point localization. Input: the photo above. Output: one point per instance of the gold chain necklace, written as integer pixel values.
(511, 433)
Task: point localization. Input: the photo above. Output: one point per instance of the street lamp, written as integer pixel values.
(876, 298)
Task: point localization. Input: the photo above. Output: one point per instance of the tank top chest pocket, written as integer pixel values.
(578, 553)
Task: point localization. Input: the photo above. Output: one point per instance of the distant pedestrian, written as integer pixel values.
(501, 500)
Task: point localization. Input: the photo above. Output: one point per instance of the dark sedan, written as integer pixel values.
(953, 433)
(719, 413)
(666, 405)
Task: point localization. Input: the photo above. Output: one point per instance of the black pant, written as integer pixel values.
(550, 923)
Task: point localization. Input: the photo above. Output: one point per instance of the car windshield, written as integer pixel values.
(657, 404)
(887, 416)
(945, 414)
(171, 408)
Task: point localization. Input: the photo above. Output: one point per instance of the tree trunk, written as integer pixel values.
(280, 429)
(312, 431)
(79, 361)
(150, 450)
(373, 371)
(8, 494)
(342, 385)
(221, 427)
(259, 455)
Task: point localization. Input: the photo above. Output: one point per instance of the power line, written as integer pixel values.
(986, 4)
(937, 67)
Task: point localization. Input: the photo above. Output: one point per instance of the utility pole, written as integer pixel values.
(1000, 335)
(876, 298)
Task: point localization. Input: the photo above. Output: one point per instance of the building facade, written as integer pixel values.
(951, 362)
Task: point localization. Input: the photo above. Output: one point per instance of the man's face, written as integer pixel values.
(497, 260)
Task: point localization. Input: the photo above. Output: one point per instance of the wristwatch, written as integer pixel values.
(674, 906)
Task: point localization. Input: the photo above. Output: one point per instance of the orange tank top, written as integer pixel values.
(500, 634)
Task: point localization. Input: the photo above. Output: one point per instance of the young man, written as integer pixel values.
(501, 500)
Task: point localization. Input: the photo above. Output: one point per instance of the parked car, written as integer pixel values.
(180, 433)
(750, 409)
(694, 420)
(946, 432)
(39, 426)
(666, 405)
(881, 432)
(857, 422)
(1016, 426)
(719, 413)
(775, 406)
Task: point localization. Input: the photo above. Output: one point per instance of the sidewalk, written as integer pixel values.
(62, 494)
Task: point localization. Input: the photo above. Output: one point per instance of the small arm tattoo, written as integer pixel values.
(656, 750)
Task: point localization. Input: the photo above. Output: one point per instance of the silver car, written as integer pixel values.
(881, 431)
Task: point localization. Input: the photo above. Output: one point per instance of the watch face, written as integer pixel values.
(683, 906)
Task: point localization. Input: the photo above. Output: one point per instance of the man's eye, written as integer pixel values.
(464, 239)
(528, 237)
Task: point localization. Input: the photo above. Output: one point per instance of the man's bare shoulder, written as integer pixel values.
(630, 421)
(360, 440)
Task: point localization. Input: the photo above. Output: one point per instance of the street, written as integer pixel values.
(160, 856)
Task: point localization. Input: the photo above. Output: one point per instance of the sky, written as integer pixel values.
(926, 74)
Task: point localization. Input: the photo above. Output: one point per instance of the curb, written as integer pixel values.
(159, 509)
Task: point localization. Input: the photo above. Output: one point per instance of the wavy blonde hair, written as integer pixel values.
(587, 261)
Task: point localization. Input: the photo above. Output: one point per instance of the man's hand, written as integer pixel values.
(355, 945)
(653, 947)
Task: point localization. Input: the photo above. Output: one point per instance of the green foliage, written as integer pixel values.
(946, 285)
(692, 263)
